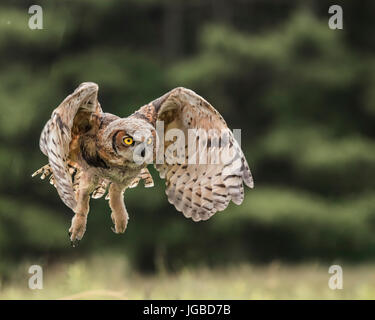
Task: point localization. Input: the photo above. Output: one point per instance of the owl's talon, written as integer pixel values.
(117, 232)
(77, 229)
(120, 222)
(75, 243)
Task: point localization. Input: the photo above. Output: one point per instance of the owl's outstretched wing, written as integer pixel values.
(70, 118)
(199, 190)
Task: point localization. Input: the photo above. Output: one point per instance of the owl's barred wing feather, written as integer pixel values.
(57, 135)
(199, 190)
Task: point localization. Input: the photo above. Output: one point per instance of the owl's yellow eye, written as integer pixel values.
(149, 140)
(128, 141)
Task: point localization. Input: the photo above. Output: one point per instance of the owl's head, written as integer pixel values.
(131, 140)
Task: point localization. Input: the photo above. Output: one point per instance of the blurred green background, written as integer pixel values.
(303, 95)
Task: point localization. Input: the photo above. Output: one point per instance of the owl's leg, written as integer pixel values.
(81, 211)
(116, 202)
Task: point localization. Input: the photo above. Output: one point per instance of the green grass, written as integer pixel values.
(110, 277)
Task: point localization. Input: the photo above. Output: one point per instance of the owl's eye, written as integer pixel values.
(128, 141)
(149, 140)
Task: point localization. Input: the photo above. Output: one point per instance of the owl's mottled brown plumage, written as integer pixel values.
(88, 155)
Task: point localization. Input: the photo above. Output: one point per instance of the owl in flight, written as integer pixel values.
(91, 153)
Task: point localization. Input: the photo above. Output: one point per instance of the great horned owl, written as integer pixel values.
(90, 152)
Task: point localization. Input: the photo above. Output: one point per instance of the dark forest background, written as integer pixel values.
(303, 95)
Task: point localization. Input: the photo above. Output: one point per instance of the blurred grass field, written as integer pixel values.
(110, 277)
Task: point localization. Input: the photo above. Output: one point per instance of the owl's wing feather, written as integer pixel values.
(57, 135)
(199, 190)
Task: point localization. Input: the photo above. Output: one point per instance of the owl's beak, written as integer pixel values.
(143, 152)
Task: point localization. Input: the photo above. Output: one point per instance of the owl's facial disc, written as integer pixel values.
(137, 147)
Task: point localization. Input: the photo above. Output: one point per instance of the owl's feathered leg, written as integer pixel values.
(116, 202)
(78, 227)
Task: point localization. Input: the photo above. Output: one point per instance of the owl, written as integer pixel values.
(92, 153)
